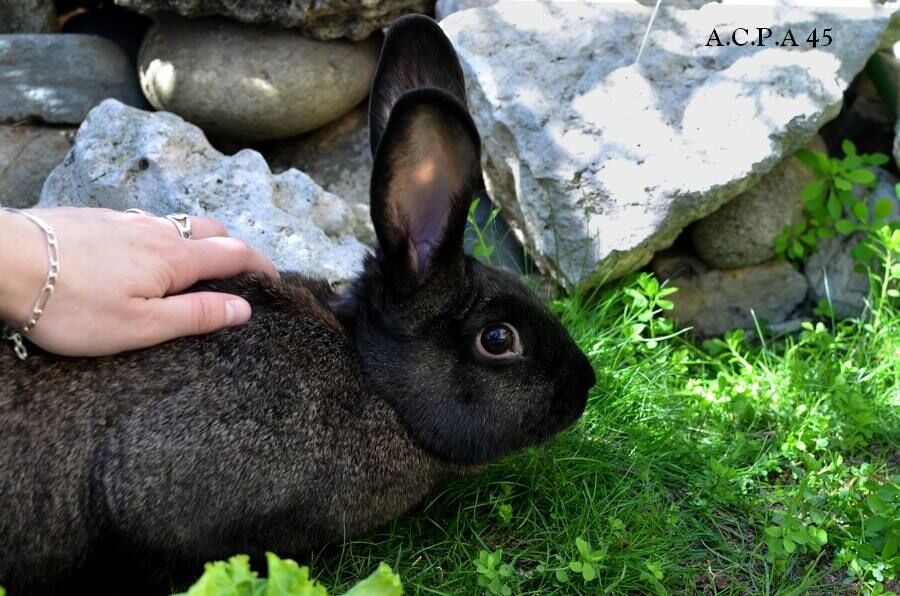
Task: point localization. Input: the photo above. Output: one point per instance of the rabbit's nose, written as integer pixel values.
(574, 383)
(586, 377)
(581, 377)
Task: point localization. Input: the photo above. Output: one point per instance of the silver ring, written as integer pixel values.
(138, 211)
(182, 223)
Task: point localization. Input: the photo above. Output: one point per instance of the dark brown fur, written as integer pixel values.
(323, 417)
(205, 446)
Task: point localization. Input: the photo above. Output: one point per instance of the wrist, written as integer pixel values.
(23, 267)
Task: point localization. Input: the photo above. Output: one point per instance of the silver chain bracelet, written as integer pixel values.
(6, 333)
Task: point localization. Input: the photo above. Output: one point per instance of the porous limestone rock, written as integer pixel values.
(337, 157)
(124, 157)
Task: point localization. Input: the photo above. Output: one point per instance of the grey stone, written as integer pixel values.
(713, 301)
(252, 82)
(124, 157)
(599, 162)
(319, 19)
(897, 144)
(58, 78)
(890, 61)
(27, 156)
(831, 269)
(891, 35)
(891, 57)
(337, 157)
(865, 119)
(743, 231)
(27, 16)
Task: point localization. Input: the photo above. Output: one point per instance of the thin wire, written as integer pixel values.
(647, 32)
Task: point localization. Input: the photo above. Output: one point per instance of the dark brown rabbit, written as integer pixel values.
(324, 416)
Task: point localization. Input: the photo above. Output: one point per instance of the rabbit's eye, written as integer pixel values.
(498, 339)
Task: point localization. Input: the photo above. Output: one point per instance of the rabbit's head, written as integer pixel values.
(472, 361)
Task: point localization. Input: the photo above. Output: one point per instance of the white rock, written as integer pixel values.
(599, 162)
(124, 157)
(337, 155)
(338, 158)
(445, 8)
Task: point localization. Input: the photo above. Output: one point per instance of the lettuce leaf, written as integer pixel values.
(232, 578)
(383, 582)
(286, 578)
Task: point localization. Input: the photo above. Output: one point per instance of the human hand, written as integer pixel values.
(118, 272)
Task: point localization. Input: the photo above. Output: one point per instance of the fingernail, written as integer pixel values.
(236, 312)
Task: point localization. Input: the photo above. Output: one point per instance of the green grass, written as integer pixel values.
(735, 467)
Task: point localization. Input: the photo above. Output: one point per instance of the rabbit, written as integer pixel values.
(326, 415)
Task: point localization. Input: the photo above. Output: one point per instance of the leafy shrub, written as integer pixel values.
(831, 208)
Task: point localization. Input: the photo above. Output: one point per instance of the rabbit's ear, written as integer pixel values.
(416, 55)
(426, 169)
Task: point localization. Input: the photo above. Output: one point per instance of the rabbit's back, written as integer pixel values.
(257, 437)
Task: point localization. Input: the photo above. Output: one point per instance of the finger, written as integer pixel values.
(205, 227)
(201, 227)
(136, 211)
(193, 314)
(218, 258)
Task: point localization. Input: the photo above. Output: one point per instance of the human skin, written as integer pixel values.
(119, 278)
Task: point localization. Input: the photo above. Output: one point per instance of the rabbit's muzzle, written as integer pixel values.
(572, 390)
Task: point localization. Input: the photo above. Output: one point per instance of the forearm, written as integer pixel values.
(23, 267)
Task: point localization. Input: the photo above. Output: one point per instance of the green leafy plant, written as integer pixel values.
(588, 560)
(871, 557)
(654, 575)
(483, 250)
(885, 245)
(504, 512)
(830, 206)
(793, 533)
(648, 299)
(285, 578)
(493, 574)
(501, 504)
